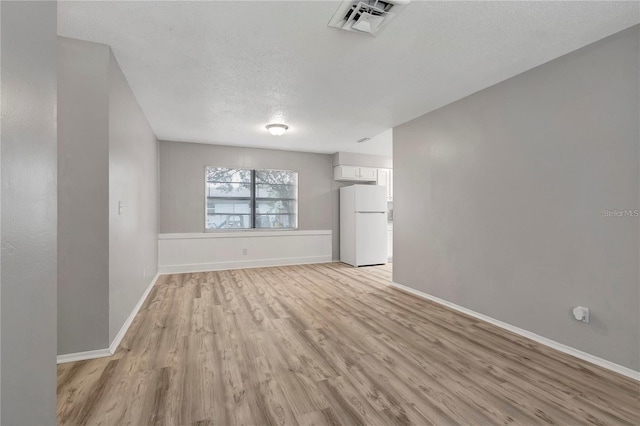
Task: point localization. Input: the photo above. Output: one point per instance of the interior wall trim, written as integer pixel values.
(83, 356)
(245, 233)
(221, 266)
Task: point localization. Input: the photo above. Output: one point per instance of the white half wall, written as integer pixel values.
(196, 252)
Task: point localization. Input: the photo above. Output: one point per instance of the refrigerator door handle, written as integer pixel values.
(361, 211)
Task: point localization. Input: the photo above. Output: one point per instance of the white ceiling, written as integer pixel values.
(218, 72)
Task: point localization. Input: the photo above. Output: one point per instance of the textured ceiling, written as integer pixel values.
(218, 72)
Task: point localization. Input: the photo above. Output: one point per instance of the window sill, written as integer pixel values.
(245, 233)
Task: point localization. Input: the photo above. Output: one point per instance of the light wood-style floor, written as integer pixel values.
(328, 344)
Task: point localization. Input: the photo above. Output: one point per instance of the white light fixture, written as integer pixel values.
(277, 129)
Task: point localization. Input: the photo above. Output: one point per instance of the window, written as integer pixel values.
(245, 198)
(229, 196)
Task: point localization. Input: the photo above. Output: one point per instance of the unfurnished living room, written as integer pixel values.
(360, 212)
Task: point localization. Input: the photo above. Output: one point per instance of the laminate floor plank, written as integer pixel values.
(324, 417)
(328, 344)
(476, 392)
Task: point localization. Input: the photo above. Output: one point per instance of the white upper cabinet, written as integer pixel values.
(369, 174)
(355, 173)
(346, 173)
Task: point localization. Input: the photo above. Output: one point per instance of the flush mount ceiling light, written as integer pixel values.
(277, 129)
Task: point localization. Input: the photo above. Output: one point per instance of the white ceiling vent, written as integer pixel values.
(366, 16)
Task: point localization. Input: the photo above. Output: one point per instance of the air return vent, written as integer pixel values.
(366, 16)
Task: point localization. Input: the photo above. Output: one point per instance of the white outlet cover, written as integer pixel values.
(581, 313)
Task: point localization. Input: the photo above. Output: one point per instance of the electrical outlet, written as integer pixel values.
(581, 313)
(244, 251)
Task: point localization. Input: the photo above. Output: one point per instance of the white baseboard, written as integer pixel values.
(123, 330)
(82, 356)
(241, 264)
(625, 371)
(101, 353)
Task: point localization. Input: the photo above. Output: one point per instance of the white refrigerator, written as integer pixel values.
(363, 225)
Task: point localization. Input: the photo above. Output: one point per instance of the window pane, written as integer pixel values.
(280, 177)
(276, 199)
(275, 191)
(276, 184)
(226, 206)
(276, 221)
(275, 206)
(221, 174)
(228, 198)
(226, 189)
(228, 221)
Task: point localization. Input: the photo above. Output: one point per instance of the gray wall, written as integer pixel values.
(499, 197)
(83, 196)
(28, 205)
(133, 180)
(182, 185)
(107, 154)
